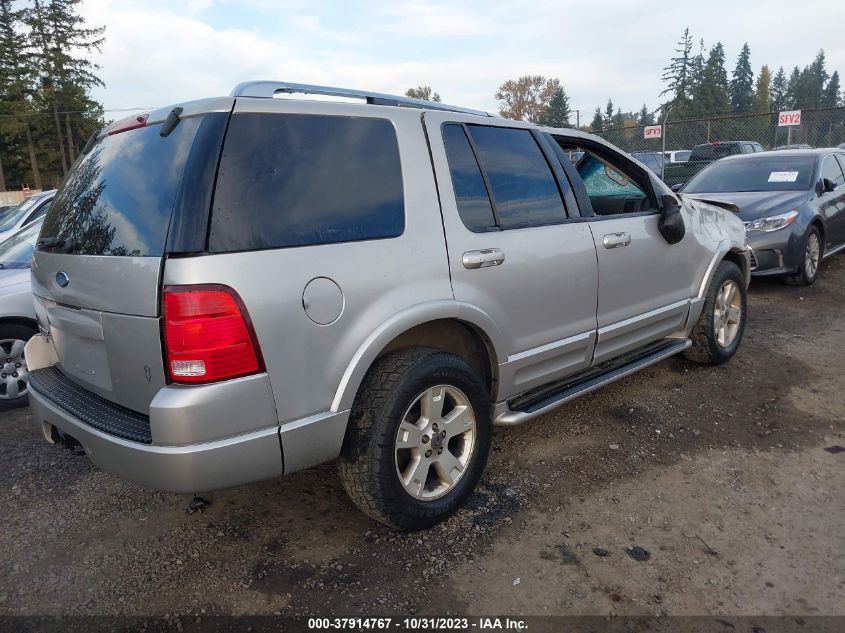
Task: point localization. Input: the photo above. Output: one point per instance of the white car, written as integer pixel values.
(17, 315)
(28, 211)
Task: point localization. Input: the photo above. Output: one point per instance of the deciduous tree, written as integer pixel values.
(422, 92)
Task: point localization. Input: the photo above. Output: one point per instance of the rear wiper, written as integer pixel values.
(170, 122)
(51, 242)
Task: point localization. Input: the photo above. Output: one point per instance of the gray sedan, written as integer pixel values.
(792, 203)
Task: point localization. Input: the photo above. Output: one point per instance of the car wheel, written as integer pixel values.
(14, 378)
(811, 258)
(718, 332)
(418, 438)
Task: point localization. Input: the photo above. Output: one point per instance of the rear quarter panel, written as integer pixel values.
(378, 278)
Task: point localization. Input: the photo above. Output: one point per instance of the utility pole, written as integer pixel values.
(663, 143)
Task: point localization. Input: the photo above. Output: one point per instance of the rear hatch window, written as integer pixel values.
(714, 151)
(98, 267)
(119, 199)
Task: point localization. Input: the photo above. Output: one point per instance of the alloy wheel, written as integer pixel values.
(435, 442)
(812, 255)
(727, 313)
(14, 377)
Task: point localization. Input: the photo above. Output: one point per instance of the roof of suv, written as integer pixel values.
(269, 89)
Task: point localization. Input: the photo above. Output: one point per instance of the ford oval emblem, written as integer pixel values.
(62, 279)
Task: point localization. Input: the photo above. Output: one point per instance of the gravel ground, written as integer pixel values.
(716, 479)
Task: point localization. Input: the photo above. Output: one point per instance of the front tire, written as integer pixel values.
(811, 258)
(418, 438)
(718, 332)
(14, 377)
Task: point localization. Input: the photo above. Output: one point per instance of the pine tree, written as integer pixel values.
(597, 124)
(711, 94)
(778, 91)
(645, 117)
(61, 52)
(608, 113)
(618, 119)
(742, 82)
(831, 97)
(558, 111)
(677, 75)
(16, 143)
(762, 101)
(793, 89)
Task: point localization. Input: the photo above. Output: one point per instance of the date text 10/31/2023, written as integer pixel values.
(418, 624)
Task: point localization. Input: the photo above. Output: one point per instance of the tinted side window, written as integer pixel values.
(524, 191)
(831, 169)
(297, 179)
(470, 191)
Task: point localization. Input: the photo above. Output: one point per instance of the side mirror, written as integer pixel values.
(827, 185)
(671, 222)
(677, 187)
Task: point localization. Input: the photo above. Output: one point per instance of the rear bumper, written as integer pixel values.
(191, 468)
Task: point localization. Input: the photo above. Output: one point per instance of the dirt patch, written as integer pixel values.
(679, 459)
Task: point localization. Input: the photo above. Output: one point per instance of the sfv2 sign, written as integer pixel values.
(789, 117)
(653, 131)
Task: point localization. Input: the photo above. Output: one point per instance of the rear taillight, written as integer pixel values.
(207, 334)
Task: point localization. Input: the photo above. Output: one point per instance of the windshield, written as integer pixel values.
(16, 252)
(757, 173)
(11, 218)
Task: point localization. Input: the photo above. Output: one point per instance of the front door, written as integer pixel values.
(514, 252)
(644, 282)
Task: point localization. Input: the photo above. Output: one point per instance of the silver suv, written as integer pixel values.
(242, 287)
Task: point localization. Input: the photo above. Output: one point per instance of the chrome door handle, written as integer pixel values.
(616, 240)
(484, 258)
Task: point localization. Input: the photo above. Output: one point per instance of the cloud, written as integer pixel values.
(159, 52)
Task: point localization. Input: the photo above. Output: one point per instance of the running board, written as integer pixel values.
(544, 399)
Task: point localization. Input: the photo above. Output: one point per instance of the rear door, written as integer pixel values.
(514, 251)
(835, 201)
(97, 268)
(832, 203)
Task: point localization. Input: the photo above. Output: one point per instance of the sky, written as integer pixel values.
(159, 52)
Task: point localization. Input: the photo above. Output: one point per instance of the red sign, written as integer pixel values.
(653, 131)
(790, 117)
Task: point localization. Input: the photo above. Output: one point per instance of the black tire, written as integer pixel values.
(706, 348)
(802, 277)
(13, 332)
(368, 464)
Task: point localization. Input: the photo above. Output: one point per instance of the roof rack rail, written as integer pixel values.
(268, 89)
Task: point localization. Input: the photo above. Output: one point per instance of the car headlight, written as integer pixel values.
(772, 223)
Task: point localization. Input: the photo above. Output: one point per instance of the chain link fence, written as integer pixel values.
(824, 127)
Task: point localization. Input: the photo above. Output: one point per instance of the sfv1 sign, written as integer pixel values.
(790, 117)
(653, 131)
